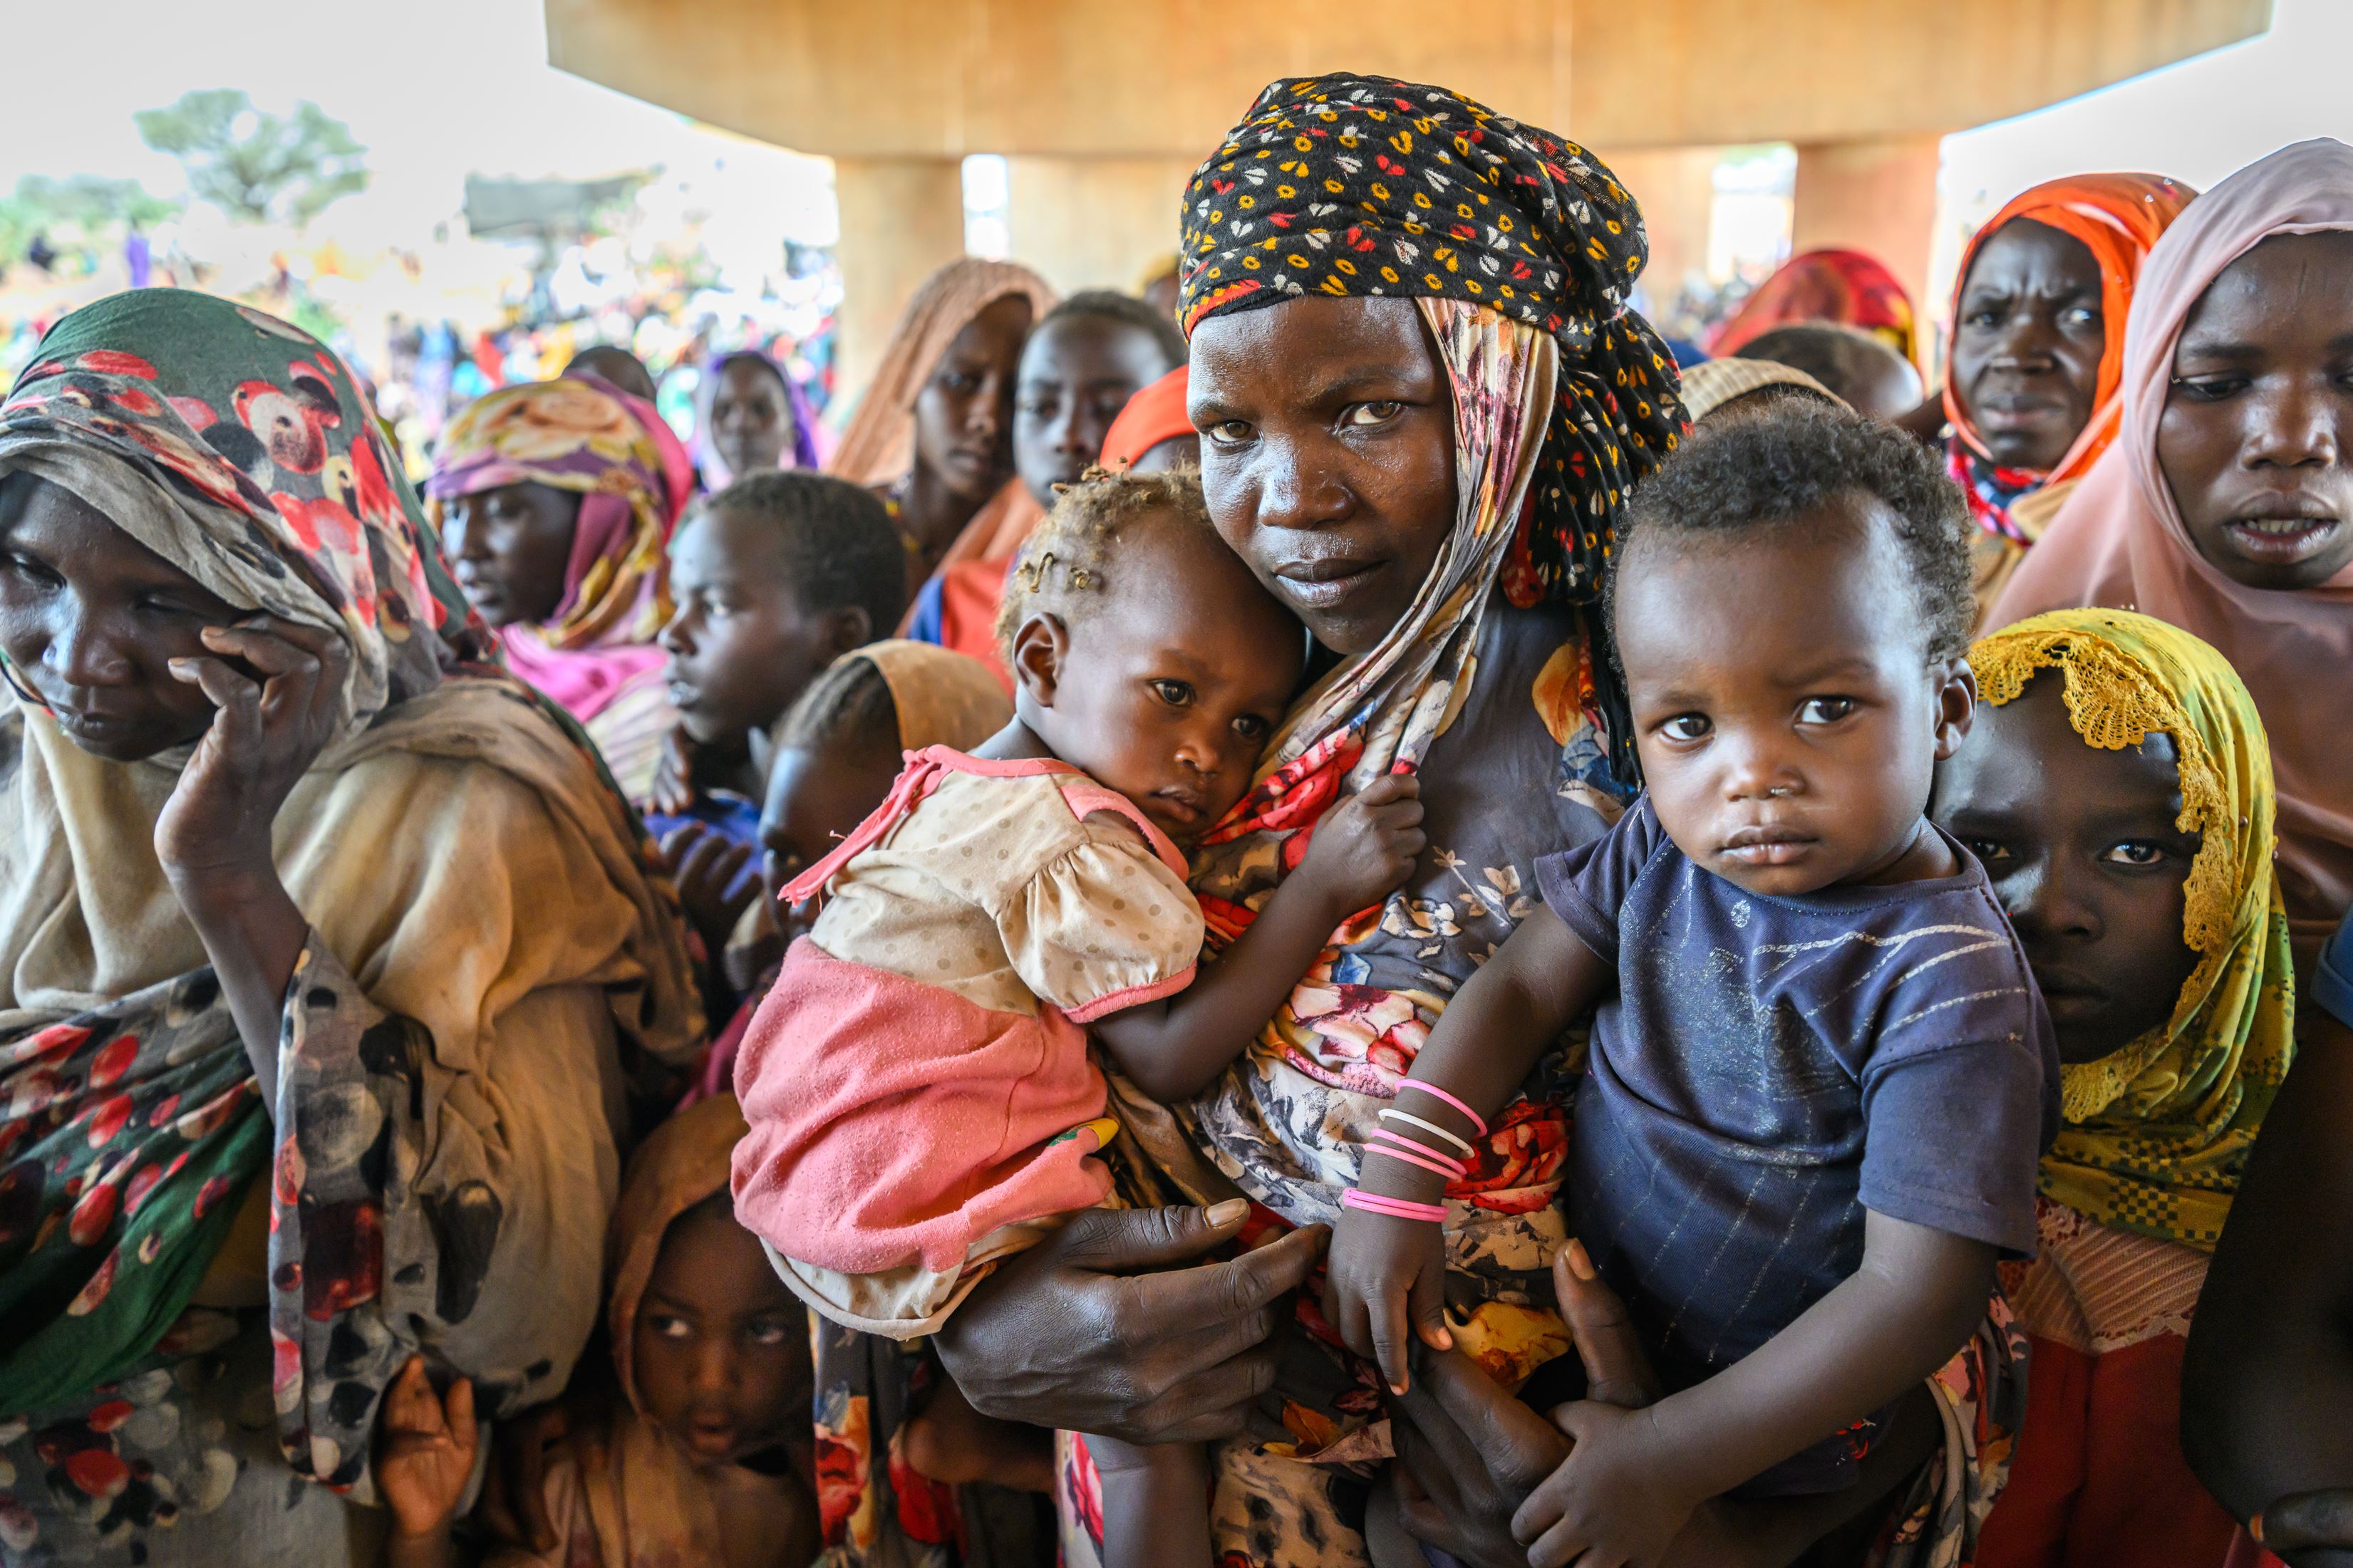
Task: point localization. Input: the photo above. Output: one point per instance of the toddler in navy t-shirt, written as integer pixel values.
(1819, 1076)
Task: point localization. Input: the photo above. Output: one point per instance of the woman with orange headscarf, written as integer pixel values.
(2036, 384)
(1842, 286)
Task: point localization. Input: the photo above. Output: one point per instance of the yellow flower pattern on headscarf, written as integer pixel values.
(2153, 1136)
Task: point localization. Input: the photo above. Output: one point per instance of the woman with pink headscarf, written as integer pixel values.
(2225, 506)
(555, 500)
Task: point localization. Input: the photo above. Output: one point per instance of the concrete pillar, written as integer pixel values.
(1094, 223)
(1878, 195)
(1675, 188)
(901, 220)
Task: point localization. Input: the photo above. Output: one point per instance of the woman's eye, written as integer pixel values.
(668, 1327)
(2079, 316)
(767, 1331)
(1824, 710)
(1175, 693)
(1370, 413)
(2135, 852)
(1986, 850)
(1228, 432)
(1685, 727)
(2210, 388)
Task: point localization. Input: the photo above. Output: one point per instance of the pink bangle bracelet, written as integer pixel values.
(1432, 1166)
(1454, 1167)
(1478, 1122)
(1395, 1209)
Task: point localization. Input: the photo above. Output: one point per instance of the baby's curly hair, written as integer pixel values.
(1072, 556)
(1790, 460)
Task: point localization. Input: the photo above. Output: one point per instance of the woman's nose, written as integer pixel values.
(85, 652)
(2293, 429)
(1296, 492)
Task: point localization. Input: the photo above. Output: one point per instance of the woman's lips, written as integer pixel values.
(1321, 584)
(2284, 539)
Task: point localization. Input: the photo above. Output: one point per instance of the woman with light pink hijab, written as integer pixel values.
(2226, 504)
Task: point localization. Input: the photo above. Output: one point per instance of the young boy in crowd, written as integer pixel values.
(775, 577)
(1820, 1075)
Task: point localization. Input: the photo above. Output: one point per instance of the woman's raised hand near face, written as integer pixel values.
(1076, 1333)
(213, 835)
(268, 726)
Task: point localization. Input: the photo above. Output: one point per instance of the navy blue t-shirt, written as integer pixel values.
(1771, 1068)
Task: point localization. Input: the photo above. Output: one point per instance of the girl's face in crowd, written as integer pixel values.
(1327, 454)
(741, 645)
(1167, 684)
(815, 801)
(751, 417)
(964, 412)
(2253, 441)
(2027, 346)
(90, 619)
(509, 548)
(720, 1347)
(1788, 722)
(2081, 844)
(1077, 374)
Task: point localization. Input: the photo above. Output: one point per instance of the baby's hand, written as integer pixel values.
(424, 1449)
(1368, 843)
(1617, 1498)
(1385, 1280)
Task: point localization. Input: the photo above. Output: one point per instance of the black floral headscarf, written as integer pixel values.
(1349, 184)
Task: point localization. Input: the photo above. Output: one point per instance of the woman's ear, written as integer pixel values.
(1038, 649)
(1956, 704)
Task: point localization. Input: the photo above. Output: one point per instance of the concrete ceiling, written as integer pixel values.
(1166, 78)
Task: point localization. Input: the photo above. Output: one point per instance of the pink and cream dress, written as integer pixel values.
(921, 1098)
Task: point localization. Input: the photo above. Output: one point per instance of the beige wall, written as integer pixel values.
(901, 220)
(1094, 223)
(1166, 78)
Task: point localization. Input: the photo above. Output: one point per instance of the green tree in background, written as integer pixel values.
(254, 165)
(84, 206)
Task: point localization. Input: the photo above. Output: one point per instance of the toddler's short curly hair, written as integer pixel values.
(1073, 554)
(1795, 458)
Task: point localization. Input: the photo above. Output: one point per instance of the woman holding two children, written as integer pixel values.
(1368, 458)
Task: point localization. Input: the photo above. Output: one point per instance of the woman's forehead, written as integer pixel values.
(1305, 348)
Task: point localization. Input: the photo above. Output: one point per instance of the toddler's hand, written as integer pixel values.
(1617, 1499)
(1385, 1281)
(424, 1449)
(1367, 844)
(708, 870)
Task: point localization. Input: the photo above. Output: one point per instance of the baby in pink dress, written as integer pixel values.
(918, 1084)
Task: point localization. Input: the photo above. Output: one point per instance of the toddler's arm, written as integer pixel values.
(1386, 1274)
(1634, 1477)
(1171, 1048)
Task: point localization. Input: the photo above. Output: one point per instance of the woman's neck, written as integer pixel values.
(932, 515)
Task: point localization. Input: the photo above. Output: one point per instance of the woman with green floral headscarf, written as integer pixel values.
(323, 946)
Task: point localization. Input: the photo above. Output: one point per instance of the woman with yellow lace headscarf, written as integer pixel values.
(2119, 787)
